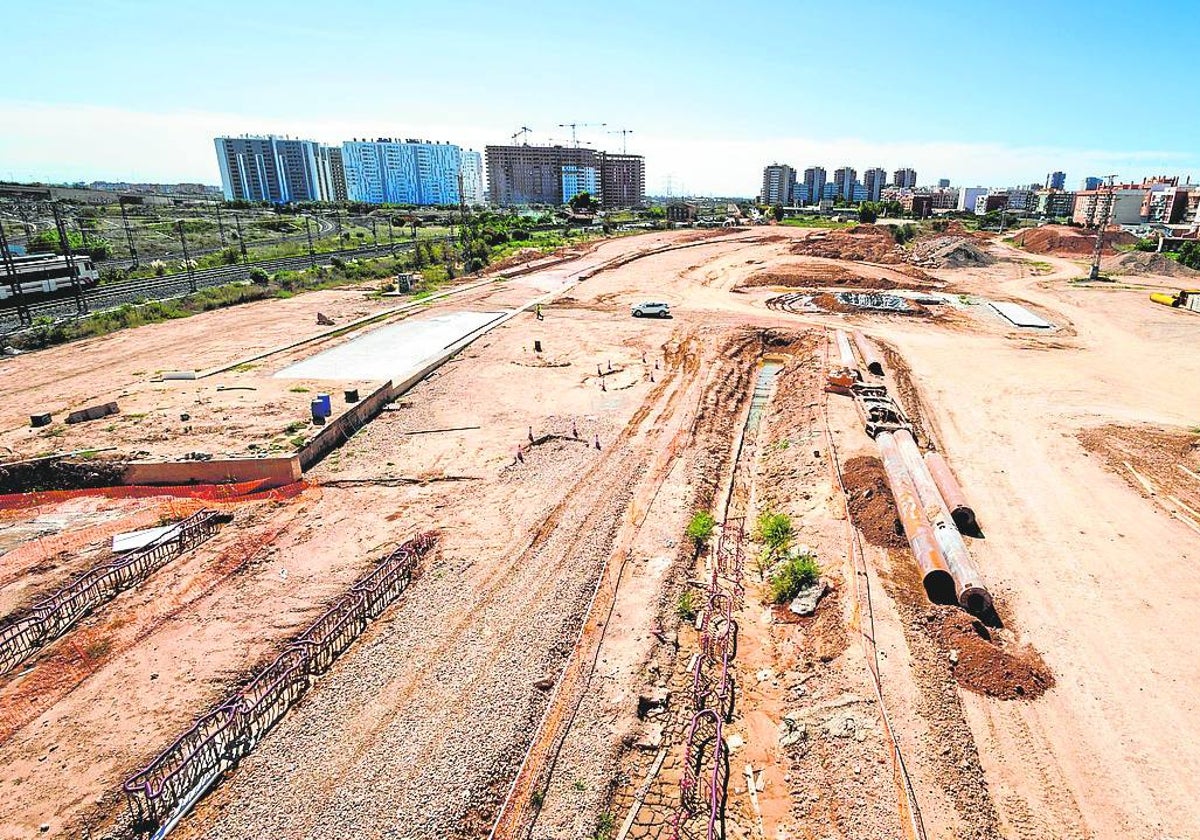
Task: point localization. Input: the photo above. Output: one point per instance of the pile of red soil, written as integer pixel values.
(870, 502)
(1060, 241)
(817, 276)
(862, 243)
(982, 662)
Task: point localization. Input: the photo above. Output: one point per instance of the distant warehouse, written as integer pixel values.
(555, 174)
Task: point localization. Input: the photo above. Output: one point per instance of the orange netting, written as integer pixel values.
(242, 491)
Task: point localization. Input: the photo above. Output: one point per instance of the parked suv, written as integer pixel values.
(652, 310)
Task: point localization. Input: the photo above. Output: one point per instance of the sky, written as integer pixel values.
(983, 93)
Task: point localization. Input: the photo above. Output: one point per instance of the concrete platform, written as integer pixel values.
(1018, 315)
(392, 351)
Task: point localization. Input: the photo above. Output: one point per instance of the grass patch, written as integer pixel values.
(793, 575)
(604, 826)
(687, 607)
(817, 222)
(700, 528)
(298, 389)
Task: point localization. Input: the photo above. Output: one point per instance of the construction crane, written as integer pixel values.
(573, 126)
(524, 132)
(624, 132)
(1104, 202)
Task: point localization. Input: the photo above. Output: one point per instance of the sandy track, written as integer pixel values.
(1096, 578)
(442, 694)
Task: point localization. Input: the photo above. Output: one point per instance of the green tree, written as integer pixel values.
(868, 212)
(1189, 254)
(584, 202)
(777, 211)
(656, 212)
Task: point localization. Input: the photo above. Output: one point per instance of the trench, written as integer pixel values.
(737, 500)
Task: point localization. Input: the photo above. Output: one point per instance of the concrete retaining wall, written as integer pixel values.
(343, 428)
(277, 471)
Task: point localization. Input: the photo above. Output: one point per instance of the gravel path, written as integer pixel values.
(416, 732)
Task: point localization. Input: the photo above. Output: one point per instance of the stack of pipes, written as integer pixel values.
(909, 475)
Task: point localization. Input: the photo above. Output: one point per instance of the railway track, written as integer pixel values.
(144, 289)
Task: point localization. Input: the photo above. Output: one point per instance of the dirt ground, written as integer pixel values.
(561, 497)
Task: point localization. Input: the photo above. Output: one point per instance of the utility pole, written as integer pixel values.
(312, 257)
(187, 260)
(237, 221)
(374, 235)
(220, 225)
(82, 232)
(391, 233)
(1104, 202)
(13, 283)
(65, 243)
(129, 235)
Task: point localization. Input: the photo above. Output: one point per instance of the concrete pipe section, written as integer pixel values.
(935, 573)
(870, 356)
(972, 594)
(952, 494)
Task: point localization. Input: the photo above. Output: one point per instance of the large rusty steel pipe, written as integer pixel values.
(870, 356)
(935, 573)
(972, 594)
(844, 350)
(951, 490)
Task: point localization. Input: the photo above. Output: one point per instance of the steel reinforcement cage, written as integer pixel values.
(165, 789)
(45, 621)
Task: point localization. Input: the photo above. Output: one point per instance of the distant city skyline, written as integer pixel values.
(473, 73)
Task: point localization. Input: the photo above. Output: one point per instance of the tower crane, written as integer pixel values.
(574, 125)
(524, 132)
(624, 132)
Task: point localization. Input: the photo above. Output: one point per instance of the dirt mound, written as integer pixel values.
(1061, 241)
(861, 243)
(1143, 262)
(949, 251)
(870, 502)
(983, 662)
(34, 476)
(815, 276)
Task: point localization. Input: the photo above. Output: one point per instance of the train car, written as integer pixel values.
(45, 275)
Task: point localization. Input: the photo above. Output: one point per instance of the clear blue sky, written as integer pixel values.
(981, 92)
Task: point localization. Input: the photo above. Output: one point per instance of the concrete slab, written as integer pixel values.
(392, 351)
(133, 540)
(1019, 315)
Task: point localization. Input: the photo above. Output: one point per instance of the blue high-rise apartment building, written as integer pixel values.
(269, 168)
(387, 171)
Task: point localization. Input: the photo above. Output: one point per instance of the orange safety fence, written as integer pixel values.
(242, 491)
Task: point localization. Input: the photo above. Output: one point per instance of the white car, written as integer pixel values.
(652, 310)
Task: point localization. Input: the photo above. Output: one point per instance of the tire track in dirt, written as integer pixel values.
(517, 590)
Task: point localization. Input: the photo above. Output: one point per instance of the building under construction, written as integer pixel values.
(554, 175)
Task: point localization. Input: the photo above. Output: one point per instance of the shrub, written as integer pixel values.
(259, 276)
(686, 607)
(774, 530)
(793, 575)
(700, 529)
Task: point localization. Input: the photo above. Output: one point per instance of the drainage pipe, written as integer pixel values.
(935, 573)
(870, 356)
(948, 486)
(844, 349)
(972, 594)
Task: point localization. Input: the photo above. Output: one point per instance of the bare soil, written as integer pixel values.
(1063, 241)
(424, 723)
